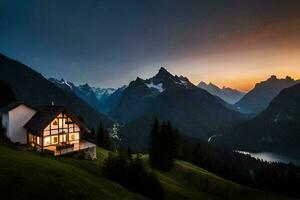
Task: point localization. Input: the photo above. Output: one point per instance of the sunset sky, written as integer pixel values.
(233, 43)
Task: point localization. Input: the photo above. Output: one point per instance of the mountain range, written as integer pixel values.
(194, 111)
(31, 87)
(258, 99)
(229, 95)
(101, 99)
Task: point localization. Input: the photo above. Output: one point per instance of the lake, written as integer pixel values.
(272, 157)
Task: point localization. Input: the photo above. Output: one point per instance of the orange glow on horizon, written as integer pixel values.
(240, 70)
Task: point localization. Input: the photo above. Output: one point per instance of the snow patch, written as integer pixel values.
(159, 86)
(213, 136)
(183, 82)
(66, 82)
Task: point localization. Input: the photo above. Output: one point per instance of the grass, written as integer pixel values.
(25, 175)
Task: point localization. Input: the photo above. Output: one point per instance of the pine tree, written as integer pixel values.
(154, 146)
(103, 138)
(164, 145)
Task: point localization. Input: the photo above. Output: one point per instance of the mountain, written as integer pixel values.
(103, 93)
(101, 99)
(110, 99)
(263, 93)
(277, 128)
(31, 87)
(85, 92)
(229, 95)
(192, 110)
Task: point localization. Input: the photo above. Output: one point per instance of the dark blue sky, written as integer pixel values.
(108, 43)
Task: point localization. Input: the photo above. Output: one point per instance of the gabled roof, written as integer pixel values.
(45, 115)
(15, 104)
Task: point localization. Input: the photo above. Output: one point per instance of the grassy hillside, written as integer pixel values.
(27, 175)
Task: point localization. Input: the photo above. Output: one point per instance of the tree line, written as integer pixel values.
(166, 146)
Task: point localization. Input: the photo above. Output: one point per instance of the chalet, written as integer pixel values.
(46, 128)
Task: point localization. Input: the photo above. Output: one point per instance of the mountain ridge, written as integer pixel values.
(192, 110)
(258, 99)
(227, 94)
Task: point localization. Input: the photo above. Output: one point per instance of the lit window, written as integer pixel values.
(76, 128)
(47, 141)
(72, 136)
(63, 138)
(31, 138)
(54, 132)
(54, 139)
(46, 132)
(38, 140)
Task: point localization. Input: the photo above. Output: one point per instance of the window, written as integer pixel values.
(54, 132)
(60, 123)
(47, 141)
(74, 136)
(54, 139)
(46, 132)
(31, 140)
(63, 138)
(76, 128)
(38, 140)
(65, 124)
(54, 124)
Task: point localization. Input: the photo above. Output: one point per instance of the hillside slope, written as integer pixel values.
(37, 176)
(31, 87)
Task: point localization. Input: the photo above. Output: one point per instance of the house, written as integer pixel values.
(46, 128)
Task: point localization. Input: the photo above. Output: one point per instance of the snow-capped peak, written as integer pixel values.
(100, 92)
(62, 83)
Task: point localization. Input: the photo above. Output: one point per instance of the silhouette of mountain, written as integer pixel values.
(263, 93)
(229, 95)
(192, 110)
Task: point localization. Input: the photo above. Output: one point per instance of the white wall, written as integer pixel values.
(17, 118)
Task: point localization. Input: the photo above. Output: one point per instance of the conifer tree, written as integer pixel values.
(103, 138)
(154, 146)
(164, 145)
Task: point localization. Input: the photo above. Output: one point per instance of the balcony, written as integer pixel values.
(70, 148)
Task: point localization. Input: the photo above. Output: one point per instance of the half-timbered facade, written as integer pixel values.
(51, 128)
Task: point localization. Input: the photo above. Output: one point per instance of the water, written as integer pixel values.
(272, 157)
